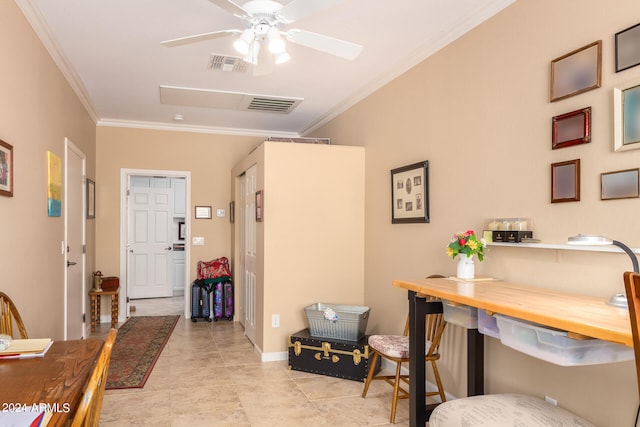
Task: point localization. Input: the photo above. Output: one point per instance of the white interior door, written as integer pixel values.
(248, 250)
(150, 267)
(74, 214)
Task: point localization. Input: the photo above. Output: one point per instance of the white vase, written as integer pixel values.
(466, 268)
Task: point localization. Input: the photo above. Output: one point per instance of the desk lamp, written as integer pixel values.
(619, 300)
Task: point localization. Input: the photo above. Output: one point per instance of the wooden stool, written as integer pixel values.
(95, 306)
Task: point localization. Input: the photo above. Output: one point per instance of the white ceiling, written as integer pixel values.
(110, 52)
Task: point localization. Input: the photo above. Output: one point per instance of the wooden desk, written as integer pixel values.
(578, 314)
(95, 306)
(57, 379)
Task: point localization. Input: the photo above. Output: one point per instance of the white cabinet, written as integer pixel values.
(178, 272)
(179, 197)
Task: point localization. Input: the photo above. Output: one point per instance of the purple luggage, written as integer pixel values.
(223, 300)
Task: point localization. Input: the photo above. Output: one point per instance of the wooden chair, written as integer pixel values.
(88, 412)
(632, 287)
(396, 349)
(10, 315)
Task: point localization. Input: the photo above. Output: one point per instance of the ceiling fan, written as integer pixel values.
(261, 42)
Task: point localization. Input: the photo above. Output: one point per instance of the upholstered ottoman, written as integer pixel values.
(503, 410)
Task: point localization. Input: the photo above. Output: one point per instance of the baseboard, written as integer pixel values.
(273, 356)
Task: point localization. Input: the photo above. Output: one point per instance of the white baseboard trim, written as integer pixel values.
(273, 356)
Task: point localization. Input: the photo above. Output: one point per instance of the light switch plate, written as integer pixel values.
(198, 241)
(220, 213)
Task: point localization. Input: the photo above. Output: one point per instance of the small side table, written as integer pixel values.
(95, 306)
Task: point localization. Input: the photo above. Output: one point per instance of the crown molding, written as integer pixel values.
(263, 133)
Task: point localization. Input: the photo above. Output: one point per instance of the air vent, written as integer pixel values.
(228, 63)
(227, 100)
(272, 105)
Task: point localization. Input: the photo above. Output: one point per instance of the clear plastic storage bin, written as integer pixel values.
(462, 315)
(556, 347)
(342, 322)
(488, 325)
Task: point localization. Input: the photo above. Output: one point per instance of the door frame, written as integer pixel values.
(125, 174)
(70, 146)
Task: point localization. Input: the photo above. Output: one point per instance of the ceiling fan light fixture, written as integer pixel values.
(276, 43)
(243, 43)
(282, 57)
(253, 52)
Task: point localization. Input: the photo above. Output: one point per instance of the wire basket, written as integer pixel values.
(342, 322)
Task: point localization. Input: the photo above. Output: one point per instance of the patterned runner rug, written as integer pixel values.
(138, 345)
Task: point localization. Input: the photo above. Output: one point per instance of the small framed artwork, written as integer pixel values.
(626, 117)
(627, 48)
(6, 169)
(91, 199)
(565, 181)
(410, 193)
(182, 231)
(203, 212)
(623, 184)
(259, 206)
(576, 72)
(232, 212)
(54, 185)
(571, 129)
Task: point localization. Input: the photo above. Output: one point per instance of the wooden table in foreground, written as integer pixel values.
(580, 315)
(57, 379)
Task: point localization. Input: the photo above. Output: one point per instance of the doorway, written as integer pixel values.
(74, 241)
(153, 205)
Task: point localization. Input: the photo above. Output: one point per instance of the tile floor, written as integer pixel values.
(209, 375)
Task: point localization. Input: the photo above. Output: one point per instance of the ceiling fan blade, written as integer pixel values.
(300, 8)
(199, 37)
(230, 7)
(337, 47)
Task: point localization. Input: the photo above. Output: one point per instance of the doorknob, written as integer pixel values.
(167, 248)
(70, 263)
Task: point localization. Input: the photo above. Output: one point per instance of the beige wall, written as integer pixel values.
(38, 110)
(209, 159)
(479, 112)
(310, 246)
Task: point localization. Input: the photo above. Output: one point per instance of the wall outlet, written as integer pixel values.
(275, 320)
(551, 400)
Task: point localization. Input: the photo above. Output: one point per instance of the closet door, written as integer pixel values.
(248, 250)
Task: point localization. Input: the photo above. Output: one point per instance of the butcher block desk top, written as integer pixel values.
(57, 378)
(580, 315)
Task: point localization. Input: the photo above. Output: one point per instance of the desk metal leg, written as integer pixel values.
(475, 362)
(418, 309)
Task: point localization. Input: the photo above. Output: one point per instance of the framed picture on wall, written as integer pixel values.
(623, 184)
(410, 193)
(626, 116)
(627, 48)
(6, 169)
(203, 212)
(565, 181)
(576, 72)
(571, 128)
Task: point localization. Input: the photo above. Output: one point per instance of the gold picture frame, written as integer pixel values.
(576, 72)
